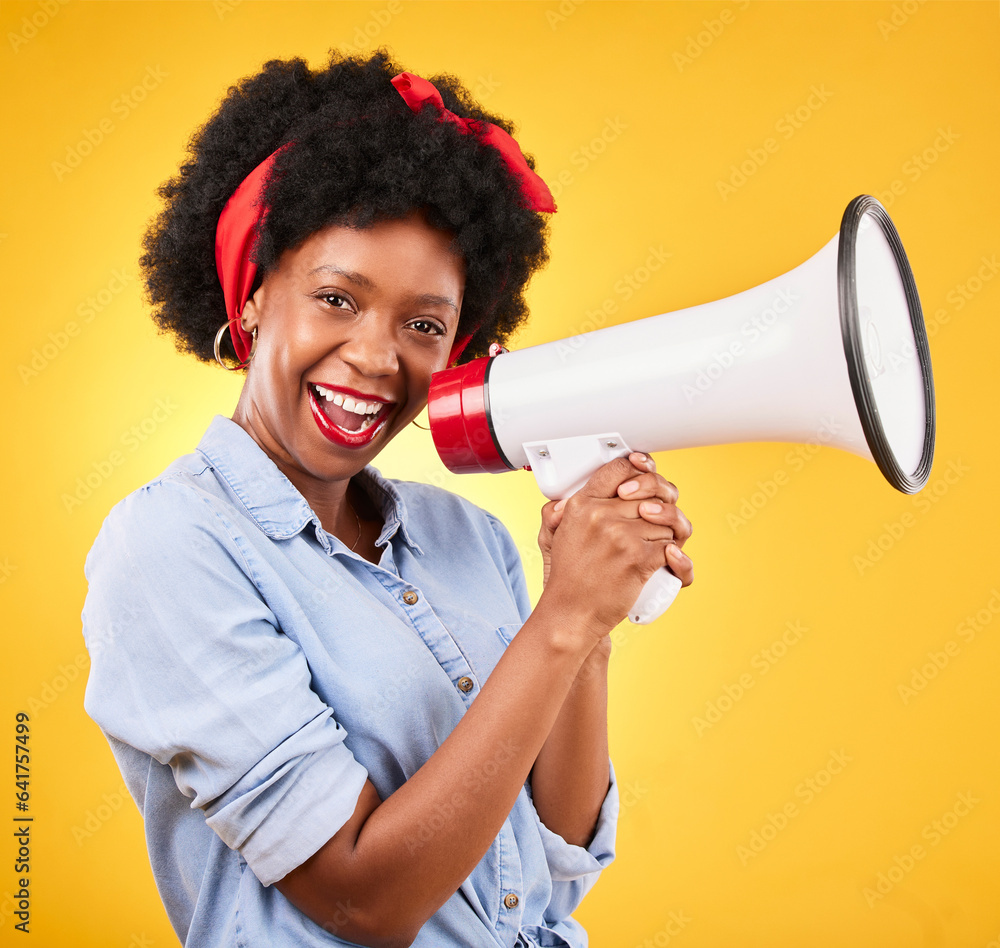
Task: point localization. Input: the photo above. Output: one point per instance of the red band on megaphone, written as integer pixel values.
(460, 422)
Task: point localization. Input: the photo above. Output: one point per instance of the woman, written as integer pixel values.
(309, 675)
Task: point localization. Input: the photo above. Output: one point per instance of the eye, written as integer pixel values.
(336, 300)
(428, 327)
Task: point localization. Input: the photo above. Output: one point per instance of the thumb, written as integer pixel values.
(552, 514)
(606, 480)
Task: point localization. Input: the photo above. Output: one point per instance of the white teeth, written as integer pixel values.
(348, 403)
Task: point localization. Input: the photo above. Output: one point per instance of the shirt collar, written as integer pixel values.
(270, 498)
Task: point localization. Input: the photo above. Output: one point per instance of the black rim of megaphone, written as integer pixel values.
(850, 324)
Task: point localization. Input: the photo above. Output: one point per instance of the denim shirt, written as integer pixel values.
(250, 672)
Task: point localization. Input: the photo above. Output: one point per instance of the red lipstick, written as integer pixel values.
(341, 436)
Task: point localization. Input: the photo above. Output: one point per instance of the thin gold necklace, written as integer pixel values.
(358, 519)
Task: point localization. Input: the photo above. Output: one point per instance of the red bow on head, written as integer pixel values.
(417, 92)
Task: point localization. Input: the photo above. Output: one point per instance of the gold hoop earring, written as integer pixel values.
(218, 343)
(421, 427)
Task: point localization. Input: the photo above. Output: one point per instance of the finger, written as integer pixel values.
(680, 564)
(644, 462)
(646, 486)
(604, 482)
(666, 515)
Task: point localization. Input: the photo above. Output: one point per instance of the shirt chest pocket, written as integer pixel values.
(507, 632)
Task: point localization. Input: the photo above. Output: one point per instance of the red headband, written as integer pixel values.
(237, 227)
(234, 239)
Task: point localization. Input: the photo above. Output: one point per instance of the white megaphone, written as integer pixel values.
(837, 345)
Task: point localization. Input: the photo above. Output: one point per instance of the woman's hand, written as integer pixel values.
(662, 508)
(601, 545)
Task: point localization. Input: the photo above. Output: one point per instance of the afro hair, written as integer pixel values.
(358, 155)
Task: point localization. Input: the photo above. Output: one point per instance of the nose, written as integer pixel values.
(370, 351)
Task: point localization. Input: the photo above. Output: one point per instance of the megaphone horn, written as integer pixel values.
(838, 344)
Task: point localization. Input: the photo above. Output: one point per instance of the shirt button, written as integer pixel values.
(465, 684)
(410, 597)
(510, 900)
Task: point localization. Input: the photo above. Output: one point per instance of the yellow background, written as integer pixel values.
(894, 75)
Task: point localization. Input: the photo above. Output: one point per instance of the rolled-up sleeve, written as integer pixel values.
(189, 666)
(575, 869)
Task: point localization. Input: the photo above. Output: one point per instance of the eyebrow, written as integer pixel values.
(429, 299)
(359, 279)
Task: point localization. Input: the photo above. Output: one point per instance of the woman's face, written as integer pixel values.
(351, 326)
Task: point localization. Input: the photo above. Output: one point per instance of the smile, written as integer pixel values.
(351, 420)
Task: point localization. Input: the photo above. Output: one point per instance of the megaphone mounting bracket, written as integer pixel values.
(563, 465)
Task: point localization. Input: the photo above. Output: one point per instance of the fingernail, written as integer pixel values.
(650, 507)
(560, 504)
(675, 551)
(629, 487)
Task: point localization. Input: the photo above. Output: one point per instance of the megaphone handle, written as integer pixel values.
(562, 466)
(656, 597)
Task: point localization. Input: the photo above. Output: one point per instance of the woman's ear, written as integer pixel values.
(250, 317)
